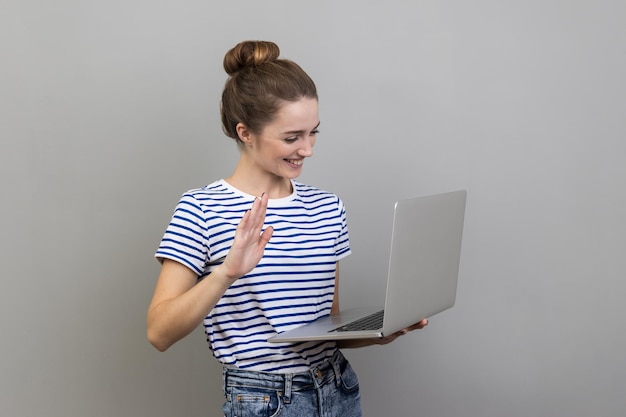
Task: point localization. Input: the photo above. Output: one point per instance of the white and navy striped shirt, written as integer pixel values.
(292, 284)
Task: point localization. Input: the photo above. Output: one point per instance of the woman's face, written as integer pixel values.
(283, 144)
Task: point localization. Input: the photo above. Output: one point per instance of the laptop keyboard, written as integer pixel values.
(371, 322)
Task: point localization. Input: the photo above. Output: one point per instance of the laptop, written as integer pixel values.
(422, 274)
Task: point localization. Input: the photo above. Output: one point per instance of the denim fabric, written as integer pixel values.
(330, 390)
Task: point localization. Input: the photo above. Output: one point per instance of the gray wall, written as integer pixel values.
(109, 111)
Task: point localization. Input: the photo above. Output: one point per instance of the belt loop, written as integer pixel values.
(224, 377)
(287, 393)
(336, 361)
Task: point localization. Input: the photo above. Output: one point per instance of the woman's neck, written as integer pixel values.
(255, 183)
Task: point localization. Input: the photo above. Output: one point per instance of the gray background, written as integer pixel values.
(109, 111)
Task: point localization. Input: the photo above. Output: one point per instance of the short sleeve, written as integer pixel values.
(186, 237)
(342, 244)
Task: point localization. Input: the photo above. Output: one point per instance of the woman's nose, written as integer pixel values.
(307, 147)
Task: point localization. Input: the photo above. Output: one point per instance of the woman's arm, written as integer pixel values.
(180, 302)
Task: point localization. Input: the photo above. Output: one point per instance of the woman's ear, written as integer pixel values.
(243, 133)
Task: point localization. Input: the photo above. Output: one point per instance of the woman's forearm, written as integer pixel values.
(174, 318)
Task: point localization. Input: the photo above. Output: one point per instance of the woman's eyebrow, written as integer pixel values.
(296, 132)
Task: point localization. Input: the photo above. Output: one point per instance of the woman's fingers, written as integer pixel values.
(254, 218)
(419, 325)
(250, 240)
(394, 336)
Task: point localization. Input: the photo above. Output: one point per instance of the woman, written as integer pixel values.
(257, 253)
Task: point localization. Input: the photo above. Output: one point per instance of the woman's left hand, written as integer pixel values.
(388, 339)
(357, 343)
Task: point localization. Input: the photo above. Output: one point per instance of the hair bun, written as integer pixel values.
(250, 54)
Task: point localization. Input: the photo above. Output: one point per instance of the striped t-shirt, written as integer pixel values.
(292, 284)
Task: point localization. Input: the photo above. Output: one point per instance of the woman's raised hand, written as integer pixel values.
(250, 240)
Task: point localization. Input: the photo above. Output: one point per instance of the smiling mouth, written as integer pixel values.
(297, 162)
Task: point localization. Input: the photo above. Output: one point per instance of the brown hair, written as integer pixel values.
(257, 84)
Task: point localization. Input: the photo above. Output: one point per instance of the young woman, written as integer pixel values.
(257, 253)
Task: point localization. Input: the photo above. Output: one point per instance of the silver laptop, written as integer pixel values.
(422, 276)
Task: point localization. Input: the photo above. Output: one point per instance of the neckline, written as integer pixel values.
(271, 201)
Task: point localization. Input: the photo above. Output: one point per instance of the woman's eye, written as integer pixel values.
(291, 140)
(315, 132)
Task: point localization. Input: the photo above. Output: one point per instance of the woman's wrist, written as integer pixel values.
(221, 276)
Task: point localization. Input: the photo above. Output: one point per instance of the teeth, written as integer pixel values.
(295, 161)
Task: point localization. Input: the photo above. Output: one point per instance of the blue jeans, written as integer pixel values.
(330, 390)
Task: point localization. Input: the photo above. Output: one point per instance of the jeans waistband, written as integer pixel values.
(329, 370)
